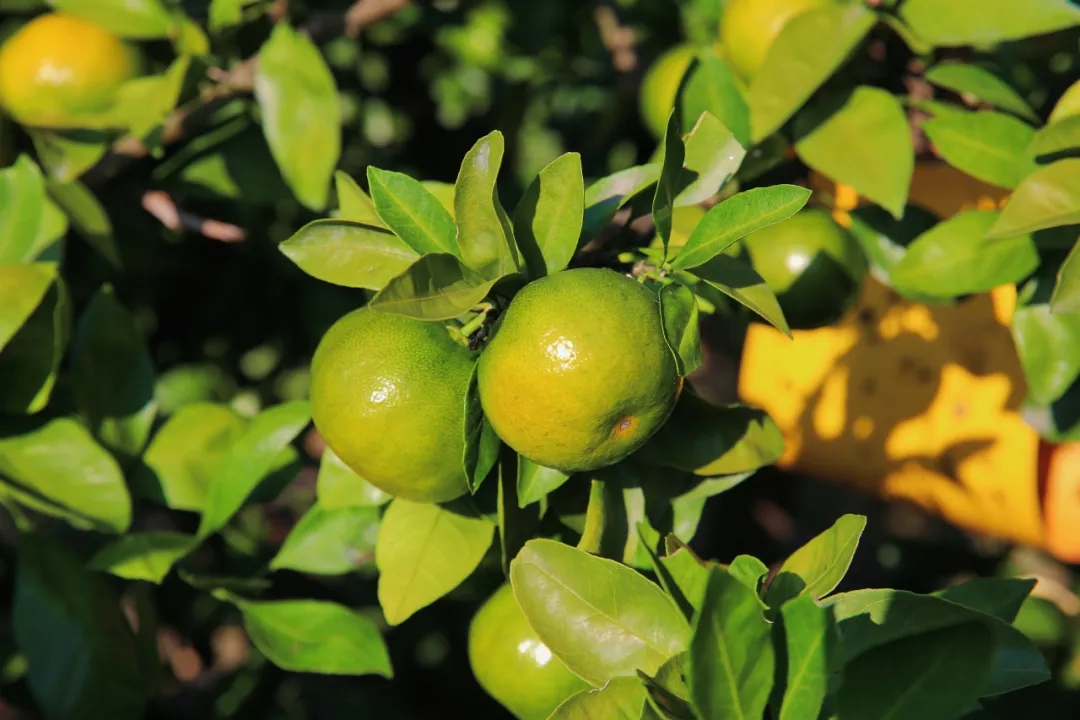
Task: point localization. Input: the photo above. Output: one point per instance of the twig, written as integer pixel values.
(164, 208)
(620, 40)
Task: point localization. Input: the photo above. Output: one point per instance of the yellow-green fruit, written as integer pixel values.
(1068, 105)
(388, 396)
(660, 86)
(578, 375)
(750, 27)
(815, 266)
(512, 664)
(58, 69)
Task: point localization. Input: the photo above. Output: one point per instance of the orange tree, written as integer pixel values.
(300, 379)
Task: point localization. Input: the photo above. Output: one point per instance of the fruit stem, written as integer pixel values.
(476, 323)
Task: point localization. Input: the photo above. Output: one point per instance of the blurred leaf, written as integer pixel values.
(735, 218)
(412, 213)
(143, 556)
(799, 62)
(347, 253)
(59, 469)
(88, 217)
(981, 84)
(22, 288)
(547, 220)
(817, 567)
(82, 660)
(481, 443)
(986, 145)
(1066, 296)
(535, 481)
(1048, 344)
(865, 143)
(435, 287)
(354, 205)
(67, 154)
(1057, 137)
(739, 281)
(22, 212)
(1049, 197)
(621, 698)
(730, 662)
(714, 88)
(141, 19)
(249, 459)
(713, 156)
(339, 487)
(986, 22)
(601, 618)
(225, 13)
(711, 486)
(113, 375)
(483, 230)
(143, 103)
(809, 645)
(947, 667)
(315, 637)
(179, 463)
(679, 312)
(604, 197)
(958, 256)
(232, 161)
(424, 551)
(31, 358)
(186, 384)
(996, 596)
(301, 114)
(329, 542)
(884, 239)
(663, 204)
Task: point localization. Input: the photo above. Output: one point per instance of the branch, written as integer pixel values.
(164, 208)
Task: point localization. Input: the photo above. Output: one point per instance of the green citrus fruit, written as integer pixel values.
(58, 68)
(512, 664)
(660, 86)
(388, 396)
(815, 266)
(749, 28)
(578, 374)
(1068, 105)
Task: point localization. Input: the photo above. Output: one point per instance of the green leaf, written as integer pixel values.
(713, 156)
(1066, 295)
(1057, 137)
(884, 239)
(66, 154)
(140, 19)
(731, 660)
(1000, 597)
(536, 481)
(684, 577)
(249, 459)
(936, 675)
(22, 289)
(621, 698)
(313, 636)
(1049, 197)
(959, 256)
(667, 187)
(483, 232)
(443, 191)
(982, 85)
(987, 145)
(601, 618)
(735, 218)
(986, 22)
(548, 219)
(339, 487)
(58, 468)
(347, 253)
(809, 646)
(30, 359)
(144, 103)
(481, 443)
(113, 375)
(739, 281)
(22, 212)
(516, 523)
(301, 114)
(750, 571)
(145, 556)
(424, 551)
(1049, 348)
(435, 287)
(604, 197)
(679, 313)
(329, 542)
(667, 692)
(713, 88)
(799, 62)
(414, 214)
(81, 656)
(354, 204)
(817, 567)
(88, 217)
(865, 142)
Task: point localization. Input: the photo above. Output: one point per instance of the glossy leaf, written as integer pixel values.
(1049, 197)
(249, 459)
(730, 664)
(1066, 296)
(987, 145)
(414, 214)
(548, 219)
(348, 253)
(535, 481)
(679, 313)
(354, 204)
(113, 375)
(58, 468)
(809, 650)
(141, 19)
(481, 443)
(435, 287)
(329, 542)
(1001, 597)
(986, 22)
(663, 204)
(88, 217)
(714, 88)
(980, 84)
(622, 698)
(799, 62)
(865, 143)
(22, 211)
(81, 656)
(601, 618)
(739, 281)
(30, 359)
(145, 556)
(735, 218)
(301, 114)
(713, 156)
(339, 487)
(424, 551)
(604, 197)
(483, 231)
(958, 256)
(817, 567)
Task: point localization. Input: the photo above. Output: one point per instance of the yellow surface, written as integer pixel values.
(750, 27)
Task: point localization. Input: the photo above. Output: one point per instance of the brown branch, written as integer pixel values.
(164, 208)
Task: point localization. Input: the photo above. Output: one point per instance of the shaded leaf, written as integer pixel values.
(348, 253)
(817, 567)
(1001, 597)
(548, 219)
(329, 542)
(88, 217)
(663, 204)
(604, 197)
(354, 204)
(679, 313)
(481, 443)
(535, 481)
(435, 287)
(739, 281)
(31, 358)
(338, 486)
(809, 646)
(66, 154)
